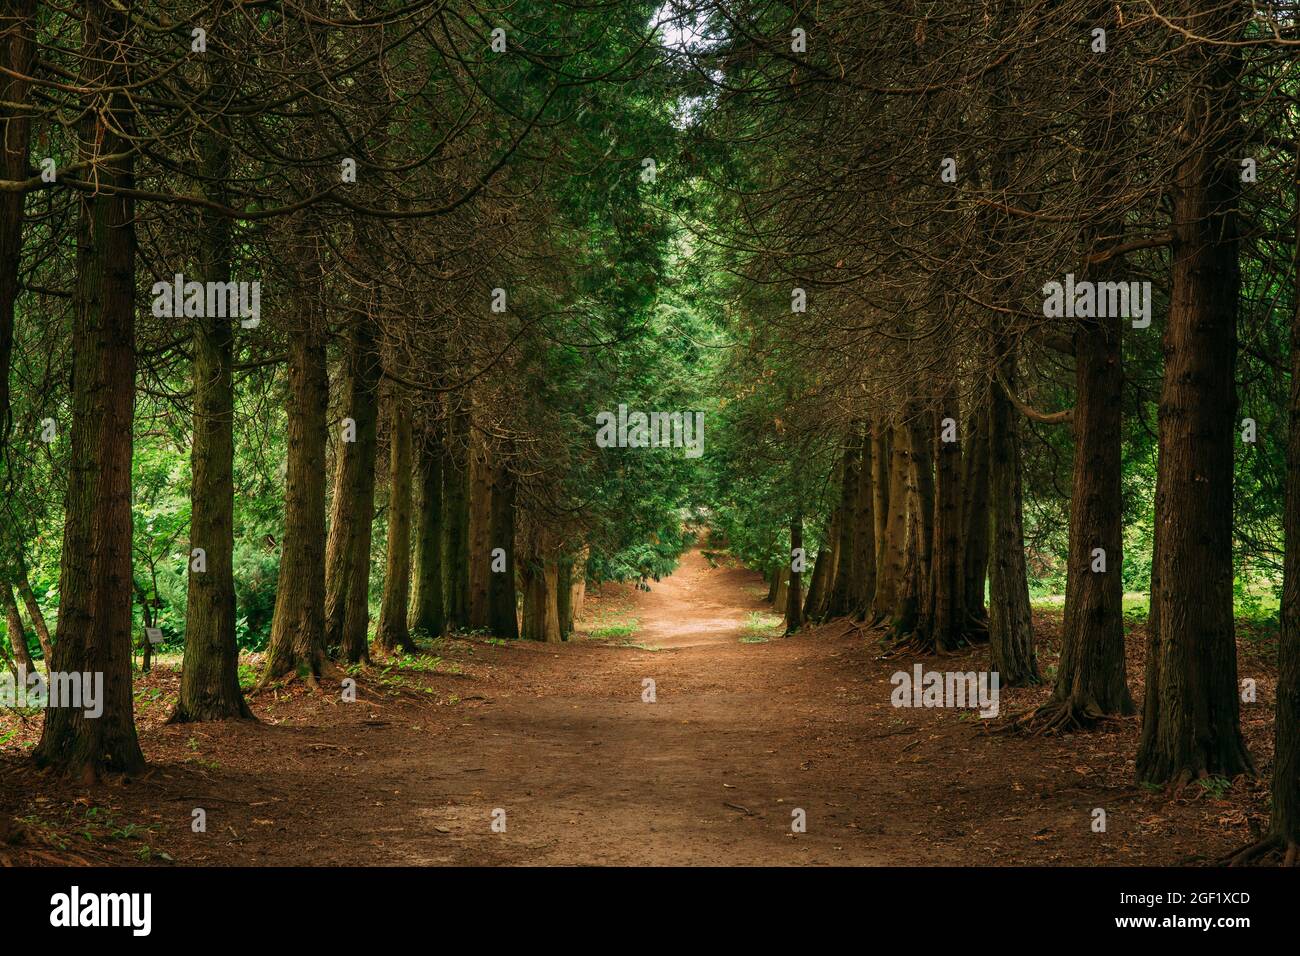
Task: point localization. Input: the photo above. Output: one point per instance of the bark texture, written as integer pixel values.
(1011, 630)
(427, 614)
(392, 632)
(1191, 718)
(347, 553)
(95, 590)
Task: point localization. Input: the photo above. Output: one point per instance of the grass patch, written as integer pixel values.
(615, 630)
(760, 628)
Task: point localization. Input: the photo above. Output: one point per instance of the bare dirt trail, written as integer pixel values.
(591, 771)
(557, 741)
(697, 605)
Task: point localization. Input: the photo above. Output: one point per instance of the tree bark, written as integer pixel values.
(347, 554)
(943, 623)
(794, 596)
(541, 609)
(580, 583)
(564, 596)
(427, 603)
(297, 640)
(503, 615)
(1284, 826)
(480, 531)
(1091, 681)
(1011, 629)
(579, 591)
(976, 521)
(914, 581)
(17, 49)
(839, 597)
(817, 601)
(95, 594)
(392, 632)
(455, 473)
(1191, 716)
(35, 613)
(893, 546)
(782, 588)
(210, 673)
(22, 654)
(862, 558)
(881, 459)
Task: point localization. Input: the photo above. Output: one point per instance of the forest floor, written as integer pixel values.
(746, 728)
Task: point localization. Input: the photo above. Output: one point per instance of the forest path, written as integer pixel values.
(590, 770)
(697, 605)
(738, 737)
(746, 727)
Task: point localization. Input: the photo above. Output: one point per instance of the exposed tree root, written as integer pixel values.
(911, 643)
(1058, 718)
(312, 678)
(859, 626)
(872, 619)
(1273, 850)
(917, 642)
(976, 630)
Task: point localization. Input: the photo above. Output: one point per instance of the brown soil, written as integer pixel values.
(743, 732)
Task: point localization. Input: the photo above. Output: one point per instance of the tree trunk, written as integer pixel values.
(862, 557)
(22, 654)
(455, 474)
(17, 49)
(1091, 680)
(564, 597)
(782, 588)
(347, 554)
(95, 599)
(1011, 629)
(297, 640)
(975, 520)
(503, 615)
(427, 605)
(893, 546)
(392, 632)
(881, 460)
(580, 583)
(817, 601)
(839, 599)
(480, 532)
(914, 581)
(1284, 827)
(541, 610)
(943, 622)
(7, 659)
(209, 687)
(35, 613)
(794, 596)
(1191, 718)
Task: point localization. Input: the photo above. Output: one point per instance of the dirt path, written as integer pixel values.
(743, 732)
(697, 606)
(590, 771)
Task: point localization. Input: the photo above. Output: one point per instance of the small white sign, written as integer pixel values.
(154, 634)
